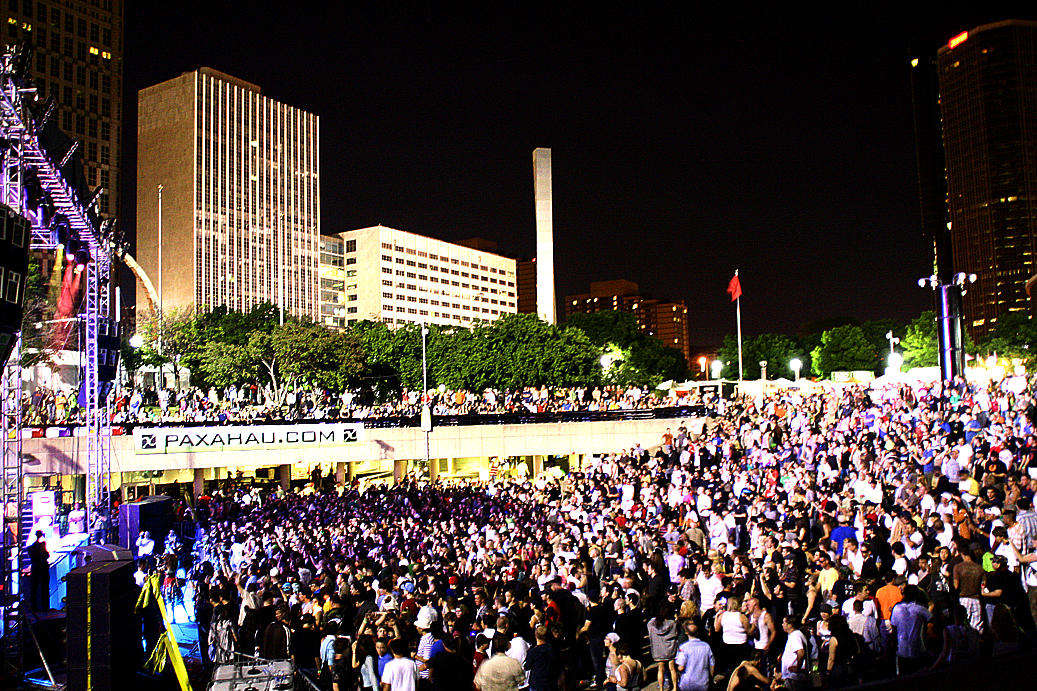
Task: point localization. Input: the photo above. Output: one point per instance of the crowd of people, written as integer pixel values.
(799, 541)
(248, 404)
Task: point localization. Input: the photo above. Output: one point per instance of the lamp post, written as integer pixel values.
(763, 370)
(893, 340)
(717, 367)
(796, 364)
(161, 316)
(426, 412)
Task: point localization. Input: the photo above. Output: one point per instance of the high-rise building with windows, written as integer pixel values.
(230, 179)
(77, 59)
(988, 109)
(665, 320)
(398, 277)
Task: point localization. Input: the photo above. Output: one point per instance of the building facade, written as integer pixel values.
(988, 108)
(663, 319)
(398, 278)
(77, 59)
(239, 204)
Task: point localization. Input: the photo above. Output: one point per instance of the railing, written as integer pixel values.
(517, 418)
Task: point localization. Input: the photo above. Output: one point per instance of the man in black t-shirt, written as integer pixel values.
(39, 574)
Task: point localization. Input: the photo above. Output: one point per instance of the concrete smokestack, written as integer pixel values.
(545, 257)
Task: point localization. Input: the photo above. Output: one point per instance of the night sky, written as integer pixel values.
(686, 143)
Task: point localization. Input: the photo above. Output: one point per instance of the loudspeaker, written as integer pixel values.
(87, 554)
(15, 238)
(153, 514)
(104, 634)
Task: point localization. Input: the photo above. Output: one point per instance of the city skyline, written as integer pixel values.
(685, 145)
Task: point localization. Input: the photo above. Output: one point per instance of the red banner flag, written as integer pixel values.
(734, 288)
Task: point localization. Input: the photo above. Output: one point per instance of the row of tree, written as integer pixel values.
(826, 348)
(222, 347)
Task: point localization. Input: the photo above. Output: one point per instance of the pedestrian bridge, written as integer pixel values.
(186, 454)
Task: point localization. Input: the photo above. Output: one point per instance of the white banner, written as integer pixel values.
(244, 437)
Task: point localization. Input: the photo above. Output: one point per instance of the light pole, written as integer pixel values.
(796, 364)
(763, 370)
(426, 412)
(717, 367)
(893, 340)
(161, 316)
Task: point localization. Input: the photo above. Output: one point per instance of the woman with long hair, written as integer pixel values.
(843, 647)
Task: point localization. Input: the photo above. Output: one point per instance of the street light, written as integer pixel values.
(763, 370)
(717, 366)
(896, 361)
(796, 364)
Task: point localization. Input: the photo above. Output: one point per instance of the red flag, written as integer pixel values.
(734, 288)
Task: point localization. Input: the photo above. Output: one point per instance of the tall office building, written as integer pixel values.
(77, 60)
(398, 278)
(988, 107)
(240, 195)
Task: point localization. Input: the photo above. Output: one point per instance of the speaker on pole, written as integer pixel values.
(15, 237)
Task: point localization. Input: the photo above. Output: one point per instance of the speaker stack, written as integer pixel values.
(153, 514)
(104, 634)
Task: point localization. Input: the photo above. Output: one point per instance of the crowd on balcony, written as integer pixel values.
(144, 405)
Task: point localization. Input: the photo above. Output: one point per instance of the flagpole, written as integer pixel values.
(738, 319)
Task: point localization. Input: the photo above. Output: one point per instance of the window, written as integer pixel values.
(351, 298)
(351, 310)
(386, 257)
(14, 281)
(351, 245)
(399, 260)
(386, 270)
(386, 282)
(350, 273)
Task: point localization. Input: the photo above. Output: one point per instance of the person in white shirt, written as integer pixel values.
(145, 545)
(709, 587)
(401, 672)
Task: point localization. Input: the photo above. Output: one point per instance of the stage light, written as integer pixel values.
(82, 258)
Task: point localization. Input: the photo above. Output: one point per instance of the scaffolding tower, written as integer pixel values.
(32, 184)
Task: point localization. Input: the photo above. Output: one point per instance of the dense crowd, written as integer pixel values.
(798, 541)
(248, 404)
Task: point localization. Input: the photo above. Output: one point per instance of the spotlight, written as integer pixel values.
(82, 258)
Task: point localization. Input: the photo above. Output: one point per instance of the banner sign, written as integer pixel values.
(244, 437)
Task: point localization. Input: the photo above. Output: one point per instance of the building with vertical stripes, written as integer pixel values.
(239, 206)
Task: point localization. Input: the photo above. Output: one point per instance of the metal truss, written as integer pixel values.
(23, 159)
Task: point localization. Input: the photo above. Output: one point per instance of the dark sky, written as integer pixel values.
(686, 143)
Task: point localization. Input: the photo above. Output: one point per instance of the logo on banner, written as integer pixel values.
(245, 437)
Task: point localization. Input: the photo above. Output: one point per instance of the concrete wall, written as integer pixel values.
(67, 455)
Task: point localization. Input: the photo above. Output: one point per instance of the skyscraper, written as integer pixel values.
(77, 60)
(988, 109)
(239, 204)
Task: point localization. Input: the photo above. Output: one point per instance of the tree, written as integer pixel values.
(639, 358)
(842, 348)
(777, 349)
(35, 348)
(178, 332)
(131, 359)
(1014, 336)
(301, 352)
(920, 344)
